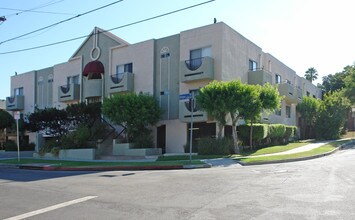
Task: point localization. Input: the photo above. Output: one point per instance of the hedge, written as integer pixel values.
(260, 132)
(212, 146)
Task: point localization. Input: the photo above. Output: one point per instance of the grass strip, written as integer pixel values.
(317, 151)
(274, 149)
(66, 163)
(267, 150)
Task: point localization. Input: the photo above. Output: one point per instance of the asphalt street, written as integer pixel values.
(322, 188)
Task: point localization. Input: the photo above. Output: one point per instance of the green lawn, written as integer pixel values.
(65, 163)
(320, 150)
(274, 149)
(266, 150)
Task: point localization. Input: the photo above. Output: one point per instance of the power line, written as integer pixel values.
(119, 27)
(34, 11)
(71, 18)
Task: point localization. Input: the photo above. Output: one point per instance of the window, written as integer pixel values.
(278, 111)
(73, 80)
(196, 57)
(18, 91)
(165, 55)
(288, 111)
(277, 79)
(120, 70)
(308, 94)
(314, 96)
(288, 81)
(50, 78)
(125, 68)
(253, 65)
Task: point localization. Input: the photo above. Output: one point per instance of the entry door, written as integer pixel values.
(161, 138)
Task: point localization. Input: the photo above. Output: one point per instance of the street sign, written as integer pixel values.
(185, 96)
(17, 115)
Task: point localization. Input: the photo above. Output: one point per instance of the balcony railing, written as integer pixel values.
(185, 112)
(197, 69)
(259, 76)
(68, 93)
(92, 88)
(123, 82)
(290, 93)
(15, 103)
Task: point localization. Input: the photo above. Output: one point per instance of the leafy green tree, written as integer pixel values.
(135, 112)
(332, 115)
(349, 88)
(308, 110)
(50, 120)
(83, 113)
(58, 122)
(237, 96)
(260, 98)
(6, 120)
(333, 82)
(311, 74)
(212, 99)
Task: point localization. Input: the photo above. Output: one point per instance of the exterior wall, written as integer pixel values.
(2, 104)
(207, 36)
(166, 74)
(236, 53)
(105, 41)
(158, 74)
(44, 94)
(28, 82)
(60, 72)
(141, 55)
(274, 66)
(176, 135)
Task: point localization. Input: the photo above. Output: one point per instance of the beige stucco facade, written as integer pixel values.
(166, 68)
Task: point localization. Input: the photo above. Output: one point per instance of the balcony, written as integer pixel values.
(92, 88)
(15, 103)
(259, 76)
(121, 83)
(197, 69)
(290, 93)
(299, 94)
(185, 113)
(68, 93)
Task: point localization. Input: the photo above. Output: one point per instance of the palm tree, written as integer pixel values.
(311, 74)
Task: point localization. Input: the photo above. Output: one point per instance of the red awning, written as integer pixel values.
(94, 67)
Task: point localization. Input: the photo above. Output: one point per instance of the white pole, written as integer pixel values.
(18, 141)
(191, 123)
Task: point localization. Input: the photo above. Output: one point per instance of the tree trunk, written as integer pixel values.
(251, 135)
(220, 130)
(235, 133)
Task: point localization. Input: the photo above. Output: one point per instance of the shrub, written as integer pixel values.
(194, 147)
(290, 132)
(219, 146)
(27, 146)
(277, 133)
(145, 140)
(260, 132)
(81, 136)
(10, 146)
(55, 151)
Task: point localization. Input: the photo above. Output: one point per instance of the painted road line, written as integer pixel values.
(51, 208)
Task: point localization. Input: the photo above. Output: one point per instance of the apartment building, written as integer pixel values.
(166, 68)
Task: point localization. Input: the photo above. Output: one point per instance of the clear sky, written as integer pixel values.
(300, 33)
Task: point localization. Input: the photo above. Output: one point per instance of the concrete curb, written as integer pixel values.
(293, 159)
(112, 168)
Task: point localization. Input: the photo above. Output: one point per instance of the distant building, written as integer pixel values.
(2, 104)
(166, 68)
